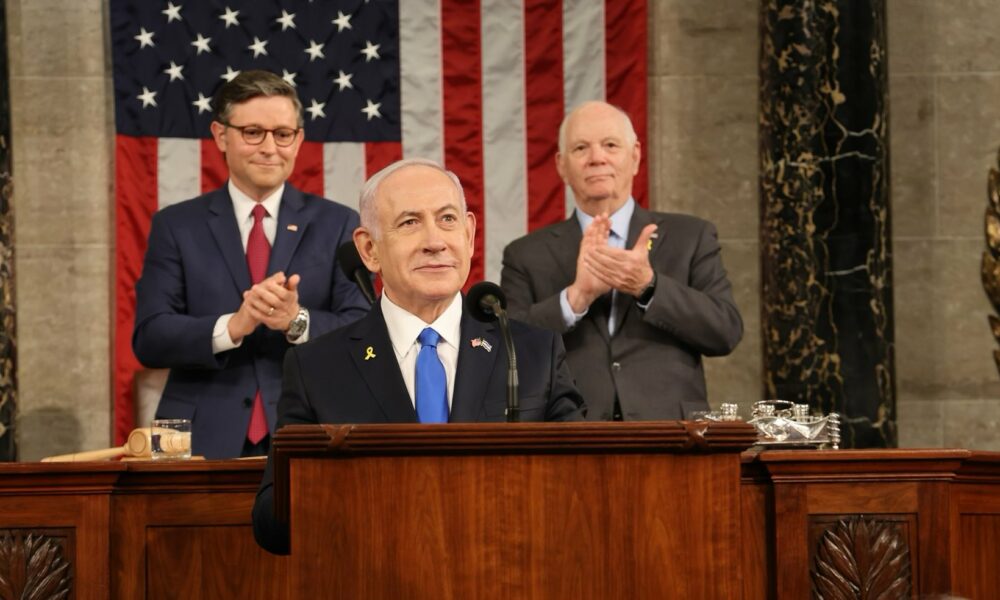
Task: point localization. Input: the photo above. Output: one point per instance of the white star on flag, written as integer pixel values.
(289, 77)
(370, 51)
(258, 47)
(202, 44)
(316, 109)
(372, 110)
(148, 98)
(174, 70)
(344, 81)
(286, 19)
(145, 38)
(204, 104)
(315, 50)
(230, 17)
(230, 74)
(172, 12)
(342, 21)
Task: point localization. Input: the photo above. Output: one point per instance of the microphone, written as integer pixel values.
(486, 302)
(350, 263)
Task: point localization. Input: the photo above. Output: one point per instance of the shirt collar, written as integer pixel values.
(404, 326)
(243, 204)
(620, 219)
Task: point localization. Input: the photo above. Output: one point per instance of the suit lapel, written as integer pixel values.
(565, 245)
(475, 368)
(222, 223)
(624, 303)
(292, 224)
(373, 356)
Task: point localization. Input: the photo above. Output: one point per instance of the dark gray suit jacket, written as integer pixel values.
(653, 362)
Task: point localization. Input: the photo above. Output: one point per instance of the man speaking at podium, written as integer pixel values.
(418, 356)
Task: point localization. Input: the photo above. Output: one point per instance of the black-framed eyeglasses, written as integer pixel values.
(254, 135)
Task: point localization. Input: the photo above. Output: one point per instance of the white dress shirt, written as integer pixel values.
(243, 207)
(404, 328)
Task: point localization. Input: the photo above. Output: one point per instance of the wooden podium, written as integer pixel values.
(534, 510)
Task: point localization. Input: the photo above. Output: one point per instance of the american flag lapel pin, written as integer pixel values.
(481, 343)
(293, 227)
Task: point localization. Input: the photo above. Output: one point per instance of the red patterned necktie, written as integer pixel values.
(258, 253)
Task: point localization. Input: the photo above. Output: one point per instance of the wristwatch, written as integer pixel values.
(647, 294)
(298, 325)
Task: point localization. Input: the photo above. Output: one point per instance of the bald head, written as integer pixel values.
(598, 157)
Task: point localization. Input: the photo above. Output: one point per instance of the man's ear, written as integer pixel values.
(219, 135)
(559, 167)
(367, 250)
(636, 157)
(470, 229)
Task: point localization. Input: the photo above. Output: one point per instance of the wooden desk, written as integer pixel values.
(134, 530)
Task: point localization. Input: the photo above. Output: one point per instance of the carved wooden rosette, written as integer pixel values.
(34, 565)
(861, 558)
(991, 256)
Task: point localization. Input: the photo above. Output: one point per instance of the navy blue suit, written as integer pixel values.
(195, 270)
(328, 380)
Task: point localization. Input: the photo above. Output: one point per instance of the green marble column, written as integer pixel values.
(826, 256)
(8, 346)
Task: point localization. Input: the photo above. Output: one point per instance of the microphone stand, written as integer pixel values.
(513, 404)
(365, 284)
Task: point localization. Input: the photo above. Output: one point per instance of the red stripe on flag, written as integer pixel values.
(379, 155)
(135, 203)
(626, 75)
(462, 72)
(543, 56)
(308, 172)
(214, 171)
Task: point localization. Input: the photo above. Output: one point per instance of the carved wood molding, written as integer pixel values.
(34, 565)
(990, 269)
(861, 558)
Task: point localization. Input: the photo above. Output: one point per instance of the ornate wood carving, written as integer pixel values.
(34, 565)
(861, 558)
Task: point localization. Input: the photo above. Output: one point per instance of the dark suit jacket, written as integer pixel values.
(653, 362)
(195, 270)
(328, 380)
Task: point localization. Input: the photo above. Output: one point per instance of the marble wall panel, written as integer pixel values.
(943, 343)
(912, 154)
(919, 422)
(971, 424)
(705, 151)
(57, 38)
(936, 36)
(62, 147)
(737, 377)
(709, 37)
(63, 300)
(969, 134)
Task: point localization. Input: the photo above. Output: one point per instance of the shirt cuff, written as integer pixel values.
(220, 335)
(569, 317)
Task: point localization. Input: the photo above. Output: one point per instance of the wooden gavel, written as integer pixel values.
(138, 445)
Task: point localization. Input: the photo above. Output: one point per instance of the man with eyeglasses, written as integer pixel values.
(234, 277)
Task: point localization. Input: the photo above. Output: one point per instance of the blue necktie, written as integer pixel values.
(431, 393)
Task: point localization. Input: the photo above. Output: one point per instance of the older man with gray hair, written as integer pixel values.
(418, 356)
(638, 296)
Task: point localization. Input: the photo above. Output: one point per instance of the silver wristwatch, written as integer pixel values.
(298, 325)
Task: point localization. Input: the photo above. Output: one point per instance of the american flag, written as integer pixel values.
(478, 85)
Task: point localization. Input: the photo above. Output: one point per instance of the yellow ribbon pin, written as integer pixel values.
(369, 353)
